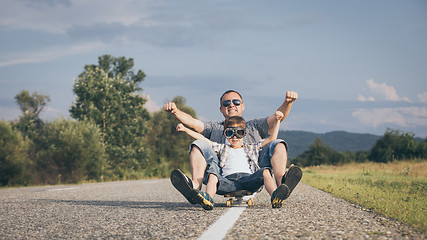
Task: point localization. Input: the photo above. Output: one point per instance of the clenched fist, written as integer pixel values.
(170, 107)
(291, 96)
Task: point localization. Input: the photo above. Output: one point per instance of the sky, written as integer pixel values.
(357, 66)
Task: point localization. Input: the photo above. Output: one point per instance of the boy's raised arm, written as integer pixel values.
(184, 117)
(278, 116)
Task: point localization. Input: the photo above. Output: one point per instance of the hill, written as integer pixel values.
(299, 141)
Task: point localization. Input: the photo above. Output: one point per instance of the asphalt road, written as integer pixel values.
(153, 209)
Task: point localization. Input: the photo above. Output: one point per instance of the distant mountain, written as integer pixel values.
(299, 141)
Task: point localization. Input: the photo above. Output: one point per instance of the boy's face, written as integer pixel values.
(234, 141)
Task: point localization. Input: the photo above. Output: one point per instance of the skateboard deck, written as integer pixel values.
(240, 196)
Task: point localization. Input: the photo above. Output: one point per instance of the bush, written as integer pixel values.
(422, 150)
(319, 154)
(13, 156)
(73, 152)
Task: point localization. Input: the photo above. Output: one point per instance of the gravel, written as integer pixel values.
(153, 209)
(310, 213)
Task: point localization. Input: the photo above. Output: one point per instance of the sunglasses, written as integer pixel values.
(230, 132)
(227, 103)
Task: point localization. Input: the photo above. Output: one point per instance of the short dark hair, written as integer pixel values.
(229, 91)
(234, 120)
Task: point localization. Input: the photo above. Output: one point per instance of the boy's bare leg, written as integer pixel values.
(205, 198)
(211, 187)
(198, 166)
(269, 184)
(278, 162)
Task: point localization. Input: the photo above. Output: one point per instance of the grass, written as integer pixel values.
(396, 190)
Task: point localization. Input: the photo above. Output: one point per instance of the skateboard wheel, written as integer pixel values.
(229, 202)
(250, 202)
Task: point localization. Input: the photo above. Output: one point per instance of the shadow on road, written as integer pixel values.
(174, 206)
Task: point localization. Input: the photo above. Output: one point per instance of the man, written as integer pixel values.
(274, 155)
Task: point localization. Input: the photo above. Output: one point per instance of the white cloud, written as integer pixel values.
(38, 15)
(415, 115)
(386, 91)
(422, 97)
(370, 99)
(46, 55)
(403, 117)
(151, 105)
(379, 116)
(50, 113)
(362, 98)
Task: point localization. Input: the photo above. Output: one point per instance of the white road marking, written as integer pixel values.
(219, 229)
(62, 189)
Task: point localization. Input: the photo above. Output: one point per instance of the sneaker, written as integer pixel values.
(292, 178)
(183, 184)
(203, 199)
(278, 196)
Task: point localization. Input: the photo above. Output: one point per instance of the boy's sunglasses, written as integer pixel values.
(227, 103)
(230, 132)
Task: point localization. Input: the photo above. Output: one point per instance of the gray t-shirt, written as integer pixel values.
(256, 130)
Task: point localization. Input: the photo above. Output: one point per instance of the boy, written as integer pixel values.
(237, 166)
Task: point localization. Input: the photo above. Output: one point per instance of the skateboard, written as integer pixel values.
(239, 197)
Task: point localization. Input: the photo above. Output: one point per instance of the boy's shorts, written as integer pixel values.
(236, 181)
(240, 181)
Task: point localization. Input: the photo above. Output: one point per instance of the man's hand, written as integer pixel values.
(184, 118)
(170, 107)
(285, 108)
(291, 96)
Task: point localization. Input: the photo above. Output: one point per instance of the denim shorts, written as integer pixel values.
(264, 159)
(238, 181)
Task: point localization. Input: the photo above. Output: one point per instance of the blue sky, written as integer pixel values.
(358, 66)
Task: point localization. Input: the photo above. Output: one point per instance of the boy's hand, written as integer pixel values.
(180, 127)
(170, 107)
(279, 115)
(291, 96)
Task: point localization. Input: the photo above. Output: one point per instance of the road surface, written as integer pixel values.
(153, 209)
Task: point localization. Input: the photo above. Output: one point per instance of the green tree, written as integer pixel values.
(394, 145)
(168, 148)
(13, 156)
(108, 95)
(31, 106)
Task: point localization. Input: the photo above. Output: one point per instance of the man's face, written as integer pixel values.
(231, 110)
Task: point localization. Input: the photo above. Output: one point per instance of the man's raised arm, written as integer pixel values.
(184, 118)
(285, 108)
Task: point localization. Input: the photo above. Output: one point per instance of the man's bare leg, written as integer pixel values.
(278, 162)
(198, 167)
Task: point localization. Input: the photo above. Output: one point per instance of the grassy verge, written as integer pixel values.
(396, 190)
